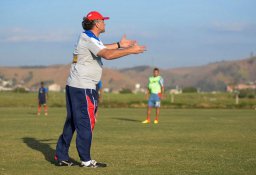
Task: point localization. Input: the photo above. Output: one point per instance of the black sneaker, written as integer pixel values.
(65, 163)
(94, 164)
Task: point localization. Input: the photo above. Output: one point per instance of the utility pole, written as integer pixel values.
(237, 96)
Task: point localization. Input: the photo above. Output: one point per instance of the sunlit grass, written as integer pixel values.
(186, 141)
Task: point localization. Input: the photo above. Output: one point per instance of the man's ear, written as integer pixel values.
(96, 24)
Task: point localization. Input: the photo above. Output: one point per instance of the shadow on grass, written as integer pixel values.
(44, 147)
(126, 119)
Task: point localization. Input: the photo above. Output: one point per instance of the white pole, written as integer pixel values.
(237, 98)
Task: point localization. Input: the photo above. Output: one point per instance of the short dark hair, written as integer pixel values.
(156, 69)
(87, 24)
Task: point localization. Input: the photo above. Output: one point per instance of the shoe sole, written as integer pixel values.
(65, 163)
(98, 165)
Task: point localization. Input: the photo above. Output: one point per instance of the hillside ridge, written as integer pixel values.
(212, 76)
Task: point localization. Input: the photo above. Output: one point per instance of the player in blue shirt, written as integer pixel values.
(99, 97)
(99, 90)
(42, 98)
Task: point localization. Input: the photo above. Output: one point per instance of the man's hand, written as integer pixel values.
(124, 43)
(161, 96)
(137, 48)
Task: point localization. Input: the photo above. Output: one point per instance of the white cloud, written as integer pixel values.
(16, 35)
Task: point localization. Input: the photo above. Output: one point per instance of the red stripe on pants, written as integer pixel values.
(90, 109)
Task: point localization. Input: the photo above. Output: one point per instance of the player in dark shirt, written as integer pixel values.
(42, 98)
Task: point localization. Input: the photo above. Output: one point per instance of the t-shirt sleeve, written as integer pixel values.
(95, 46)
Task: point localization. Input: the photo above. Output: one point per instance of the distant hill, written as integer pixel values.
(214, 76)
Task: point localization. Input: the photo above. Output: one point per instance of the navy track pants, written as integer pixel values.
(81, 108)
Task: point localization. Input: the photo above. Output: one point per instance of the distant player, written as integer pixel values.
(99, 97)
(155, 90)
(42, 98)
(99, 90)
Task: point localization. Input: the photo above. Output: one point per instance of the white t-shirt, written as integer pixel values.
(86, 69)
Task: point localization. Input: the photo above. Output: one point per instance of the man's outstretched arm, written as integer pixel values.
(110, 54)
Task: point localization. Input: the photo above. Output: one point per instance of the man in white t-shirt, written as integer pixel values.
(81, 95)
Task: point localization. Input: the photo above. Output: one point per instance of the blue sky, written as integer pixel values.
(177, 33)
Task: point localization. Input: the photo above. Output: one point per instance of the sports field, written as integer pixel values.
(186, 141)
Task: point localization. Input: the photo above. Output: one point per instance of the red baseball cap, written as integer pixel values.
(94, 15)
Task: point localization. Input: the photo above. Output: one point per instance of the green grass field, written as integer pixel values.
(186, 141)
(185, 100)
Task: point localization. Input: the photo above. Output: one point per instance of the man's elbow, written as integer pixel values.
(105, 54)
(107, 57)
